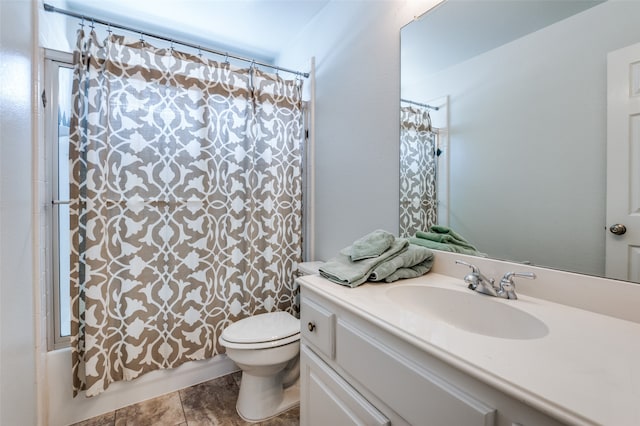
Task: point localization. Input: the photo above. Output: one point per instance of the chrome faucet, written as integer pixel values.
(506, 289)
(478, 282)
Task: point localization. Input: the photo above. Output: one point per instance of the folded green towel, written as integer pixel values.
(411, 263)
(371, 245)
(442, 234)
(443, 239)
(343, 271)
(435, 245)
(441, 229)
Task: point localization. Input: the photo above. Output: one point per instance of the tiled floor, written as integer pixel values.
(209, 403)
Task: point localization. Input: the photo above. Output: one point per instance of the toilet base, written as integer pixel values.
(261, 398)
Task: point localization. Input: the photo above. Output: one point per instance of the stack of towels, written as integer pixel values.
(378, 256)
(446, 239)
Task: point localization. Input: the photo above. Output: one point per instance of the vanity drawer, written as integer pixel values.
(318, 327)
(407, 388)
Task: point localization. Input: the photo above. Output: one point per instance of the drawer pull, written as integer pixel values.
(311, 326)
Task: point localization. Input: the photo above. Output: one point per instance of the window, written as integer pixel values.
(58, 82)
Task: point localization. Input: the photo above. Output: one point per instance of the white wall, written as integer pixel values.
(535, 107)
(356, 45)
(18, 218)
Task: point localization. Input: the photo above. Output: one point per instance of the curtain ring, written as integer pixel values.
(92, 26)
(199, 52)
(226, 58)
(82, 23)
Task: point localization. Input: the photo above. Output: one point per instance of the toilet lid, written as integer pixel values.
(262, 328)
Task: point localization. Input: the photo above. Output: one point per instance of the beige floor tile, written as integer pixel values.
(165, 410)
(211, 403)
(107, 419)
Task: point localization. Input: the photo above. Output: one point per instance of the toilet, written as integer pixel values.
(266, 348)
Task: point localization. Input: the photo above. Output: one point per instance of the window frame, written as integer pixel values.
(53, 61)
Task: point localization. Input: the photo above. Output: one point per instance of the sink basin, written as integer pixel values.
(469, 311)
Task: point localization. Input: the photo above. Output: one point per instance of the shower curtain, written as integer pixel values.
(185, 205)
(418, 201)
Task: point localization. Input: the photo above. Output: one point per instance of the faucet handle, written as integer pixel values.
(475, 279)
(471, 279)
(507, 287)
(474, 268)
(510, 275)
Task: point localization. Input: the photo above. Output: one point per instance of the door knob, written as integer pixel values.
(618, 229)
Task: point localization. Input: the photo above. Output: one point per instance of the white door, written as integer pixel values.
(623, 164)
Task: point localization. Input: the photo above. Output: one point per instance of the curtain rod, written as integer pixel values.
(419, 104)
(50, 8)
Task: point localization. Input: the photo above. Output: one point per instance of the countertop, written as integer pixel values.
(584, 371)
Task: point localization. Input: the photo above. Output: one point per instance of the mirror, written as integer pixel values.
(522, 123)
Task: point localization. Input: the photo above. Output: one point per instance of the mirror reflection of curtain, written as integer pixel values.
(418, 202)
(186, 205)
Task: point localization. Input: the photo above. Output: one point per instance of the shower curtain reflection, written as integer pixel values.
(418, 201)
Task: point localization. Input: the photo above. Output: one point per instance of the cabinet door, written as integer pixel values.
(326, 399)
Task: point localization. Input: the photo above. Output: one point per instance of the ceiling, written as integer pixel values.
(257, 29)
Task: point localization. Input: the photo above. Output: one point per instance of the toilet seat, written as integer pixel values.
(261, 345)
(262, 331)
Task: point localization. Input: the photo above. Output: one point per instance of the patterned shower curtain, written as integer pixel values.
(186, 205)
(418, 201)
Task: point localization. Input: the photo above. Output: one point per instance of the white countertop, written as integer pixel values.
(586, 370)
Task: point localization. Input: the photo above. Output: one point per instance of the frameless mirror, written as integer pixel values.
(520, 145)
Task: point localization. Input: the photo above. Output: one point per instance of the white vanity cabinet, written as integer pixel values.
(355, 370)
